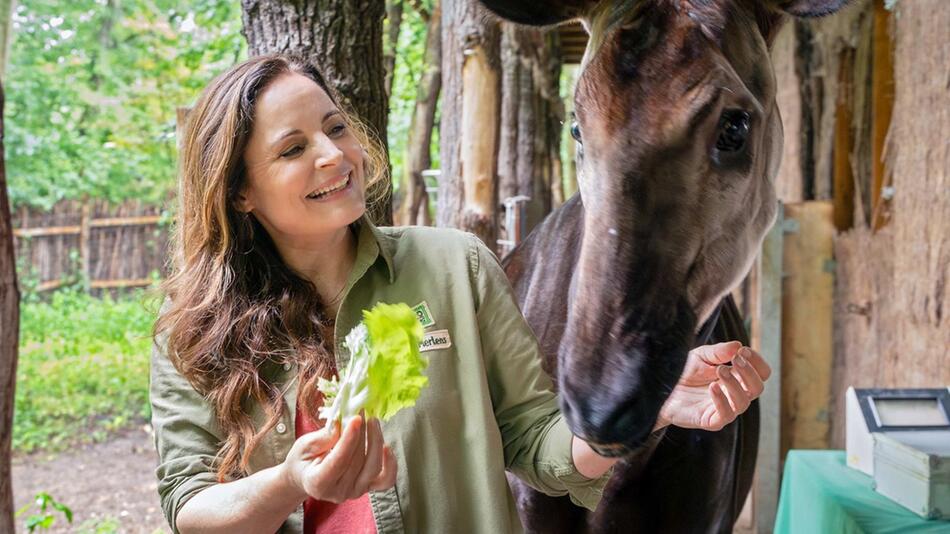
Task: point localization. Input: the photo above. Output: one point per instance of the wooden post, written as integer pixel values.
(470, 117)
(479, 139)
(882, 103)
(181, 119)
(84, 253)
(807, 344)
(767, 338)
(843, 145)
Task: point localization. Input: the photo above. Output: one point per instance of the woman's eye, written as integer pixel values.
(292, 151)
(337, 130)
(576, 131)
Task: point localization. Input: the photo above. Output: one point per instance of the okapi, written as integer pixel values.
(679, 140)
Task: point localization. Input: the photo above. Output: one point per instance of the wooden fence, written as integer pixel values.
(112, 247)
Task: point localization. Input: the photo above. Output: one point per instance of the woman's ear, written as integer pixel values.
(242, 202)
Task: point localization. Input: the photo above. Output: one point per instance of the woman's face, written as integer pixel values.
(304, 165)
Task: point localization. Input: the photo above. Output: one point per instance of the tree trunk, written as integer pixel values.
(344, 39)
(415, 204)
(532, 113)
(470, 117)
(9, 341)
(6, 24)
(393, 23)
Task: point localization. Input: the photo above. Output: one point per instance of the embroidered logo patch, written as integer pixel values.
(440, 339)
(424, 315)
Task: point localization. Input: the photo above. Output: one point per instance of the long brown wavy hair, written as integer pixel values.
(232, 305)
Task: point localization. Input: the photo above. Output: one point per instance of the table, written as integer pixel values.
(821, 494)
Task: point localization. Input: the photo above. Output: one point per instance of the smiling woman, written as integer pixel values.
(247, 223)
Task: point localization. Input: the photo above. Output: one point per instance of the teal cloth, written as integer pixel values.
(821, 494)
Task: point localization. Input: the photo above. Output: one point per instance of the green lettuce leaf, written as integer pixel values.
(386, 370)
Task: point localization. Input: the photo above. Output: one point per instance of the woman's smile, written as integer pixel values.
(335, 188)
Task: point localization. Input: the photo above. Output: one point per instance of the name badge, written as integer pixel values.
(440, 339)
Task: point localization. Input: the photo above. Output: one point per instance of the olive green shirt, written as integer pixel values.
(488, 407)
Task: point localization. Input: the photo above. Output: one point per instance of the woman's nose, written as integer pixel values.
(329, 154)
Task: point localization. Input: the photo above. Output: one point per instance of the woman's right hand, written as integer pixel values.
(328, 466)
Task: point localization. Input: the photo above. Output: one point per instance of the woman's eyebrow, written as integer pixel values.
(330, 114)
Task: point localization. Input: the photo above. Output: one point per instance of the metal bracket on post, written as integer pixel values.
(432, 173)
(514, 217)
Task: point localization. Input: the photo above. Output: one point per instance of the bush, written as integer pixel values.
(83, 368)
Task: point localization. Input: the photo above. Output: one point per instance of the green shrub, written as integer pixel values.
(83, 368)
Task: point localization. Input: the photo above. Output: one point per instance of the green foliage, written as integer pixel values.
(45, 518)
(408, 71)
(92, 87)
(83, 368)
(105, 525)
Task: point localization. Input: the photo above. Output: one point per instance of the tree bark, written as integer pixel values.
(415, 203)
(344, 39)
(6, 20)
(532, 114)
(9, 341)
(470, 119)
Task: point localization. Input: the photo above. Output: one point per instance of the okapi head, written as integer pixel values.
(679, 140)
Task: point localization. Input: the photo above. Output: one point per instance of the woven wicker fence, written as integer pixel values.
(102, 246)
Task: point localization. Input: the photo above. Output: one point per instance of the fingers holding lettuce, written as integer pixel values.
(336, 465)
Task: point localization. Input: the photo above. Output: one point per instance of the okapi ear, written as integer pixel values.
(809, 8)
(534, 13)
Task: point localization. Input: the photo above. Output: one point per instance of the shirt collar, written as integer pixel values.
(372, 244)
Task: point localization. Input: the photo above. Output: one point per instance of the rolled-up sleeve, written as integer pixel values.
(537, 442)
(186, 436)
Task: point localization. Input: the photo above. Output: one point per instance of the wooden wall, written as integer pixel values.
(865, 98)
(893, 327)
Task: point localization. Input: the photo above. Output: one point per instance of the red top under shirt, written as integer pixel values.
(322, 517)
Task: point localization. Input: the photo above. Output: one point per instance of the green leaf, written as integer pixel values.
(65, 510)
(396, 367)
(385, 371)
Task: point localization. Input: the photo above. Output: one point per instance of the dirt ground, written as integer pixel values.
(109, 483)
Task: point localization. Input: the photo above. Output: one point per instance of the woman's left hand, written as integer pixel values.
(710, 395)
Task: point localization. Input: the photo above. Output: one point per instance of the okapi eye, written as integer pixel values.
(576, 131)
(733, 130)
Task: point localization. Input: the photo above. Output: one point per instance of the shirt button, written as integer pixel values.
(287, 366)
(281, 428)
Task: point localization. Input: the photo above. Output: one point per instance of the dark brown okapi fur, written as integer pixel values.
(679, 141)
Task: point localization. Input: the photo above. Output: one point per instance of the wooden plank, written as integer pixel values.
(766, 337)
(111, 284)
(843, 175)
(882, 104)
(807, 319)
(47, 231)
(142, 220)
(51, 284)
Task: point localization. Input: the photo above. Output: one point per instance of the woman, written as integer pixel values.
(275, 260)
